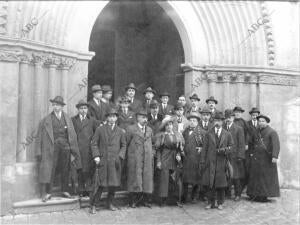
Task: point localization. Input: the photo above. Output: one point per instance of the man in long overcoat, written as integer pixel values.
(217, 145)
(263, 177)
(205, 122)
(126, 116)
(97, 108)
(135, 104)
(193, 137)
(139, 161)
(237, 155)
(154, 118)
(56, 143)
(108, 150)
(85, 127)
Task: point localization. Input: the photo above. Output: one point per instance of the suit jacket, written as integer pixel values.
(136, 105)
(125, 120)
(209, 126)
(253, 133)
(146, 105)
(85, 130)
(44, 147)
(214, 160)
(98, 111)
(154, 124)
(168, 110)
(190, 110)
(110, 146)
(213, 114)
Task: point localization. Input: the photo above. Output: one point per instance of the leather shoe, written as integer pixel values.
(237, 198)
(66, 194)
(111, 207)
(147, 204)
(46, 197)
(220, 207)
(93, 210)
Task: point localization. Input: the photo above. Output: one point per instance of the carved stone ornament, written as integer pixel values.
(286, 80)
(211, 76)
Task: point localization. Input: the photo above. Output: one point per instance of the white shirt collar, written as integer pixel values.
(140, 126)
(97, 101)
(58, 115)
(220, 130)
(82, 117)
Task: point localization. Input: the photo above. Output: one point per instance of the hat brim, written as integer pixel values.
(254, 111)
(164, 123)
(141, 114)
(107, 114)
(154, 92)
(213, 100)
(202, 112)
(198, 99)
(82, 104)
(238, 110)
(57, 102)
(265, 117)
(192, 116)
(165, 95)
(126, 88)
(96, 90)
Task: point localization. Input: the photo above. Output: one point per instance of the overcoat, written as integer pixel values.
(136, 105)
(139, 159)
(209, 125)
(263, 175)
(244, 125)
(98, 111)
(237, 151)
(154, 124)
(85, 131)
(167, 111)
(191, 159)
(125, 120)
(214, 171)
(44, 147)
(110, 146)
(253, 135)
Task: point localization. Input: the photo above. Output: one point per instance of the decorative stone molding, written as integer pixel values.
(3, 17)
(277, 79)
(240, 77)
(9, 56)
(212, 76)
(226, 77)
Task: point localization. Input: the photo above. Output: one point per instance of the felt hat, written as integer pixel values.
(81, 102)
(96, 88)
(154, 104)
(219, 116)
(265, 117)
(106, 88)
(142, 112)
(59, 100)
(149, 89)
(211, 98)
(112, 111)
(254, 110)
(228, 113)
(239, 109)
(165, 93)
(130, 86)
(195, 96)
(194, 115)
(205, 110)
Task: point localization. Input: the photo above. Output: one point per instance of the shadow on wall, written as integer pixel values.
(290, 144)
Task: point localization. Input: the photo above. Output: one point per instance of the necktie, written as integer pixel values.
(228, 127)
(217, 132)
(148, 102)
(58, 116)
(179, 120)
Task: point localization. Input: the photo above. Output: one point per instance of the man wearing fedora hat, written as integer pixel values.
(56, 145)
(154, 118)
(180, 121)
(263, 176)
(149, 93)
(217, 145)
(205, 122)
(135, 104)
(108, 151)
(237, 155)
(195, 100)
(107, 93)
(164, 107)
(85, 127)
(97, 108)
(140, 161)
(212, 102)
(126, 116)
(193, 137)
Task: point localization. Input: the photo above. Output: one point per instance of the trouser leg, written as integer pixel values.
(212, 196)
(111, 194)
(195, 189)
(185, 191)
(220, 195)
(237, 187)
(95, 195)
(65, 169)
(164, 183)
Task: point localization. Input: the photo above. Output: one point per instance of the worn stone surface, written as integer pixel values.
(283, 210)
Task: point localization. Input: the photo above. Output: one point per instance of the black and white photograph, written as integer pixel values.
(150, 112)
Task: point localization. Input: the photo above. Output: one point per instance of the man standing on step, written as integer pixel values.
(55, 146)
(108, 151)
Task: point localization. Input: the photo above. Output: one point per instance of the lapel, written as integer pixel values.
(139, 132)
(212, 136)
(222, 136)
(48, 127)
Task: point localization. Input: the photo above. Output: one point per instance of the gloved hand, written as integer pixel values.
(97, 160)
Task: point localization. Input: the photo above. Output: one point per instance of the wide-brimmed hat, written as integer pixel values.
(265, 117)
(205, 110)
(178, 106)
(254, 110)
(142, 112)
(228, 113)
(165, 93)
(130, 86)
(154, 104)
(96, 88)
(194, 115)
(195, 96)
(124, 99)
(239, 109)
(218, 116)
(112, 111)
(211, 98)
(59, 100)
(106, 88)
(81, 102)
(149, 89)
(165, 121)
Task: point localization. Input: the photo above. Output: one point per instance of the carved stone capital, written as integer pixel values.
(240, 78)
(66, 63)
(227, 77)
(212, 76)
(9, 56)
(251, 78)
(37, 59)
(25, 59)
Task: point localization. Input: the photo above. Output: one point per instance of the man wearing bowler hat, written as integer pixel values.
(85, 127)
(263, 175)
(139, 161)
(55, 146)
(195, 100)
(135, 104)
(164, 107)
(216, 148)
(108, 151)
(97, 108)
(212, 102)
(149, 94)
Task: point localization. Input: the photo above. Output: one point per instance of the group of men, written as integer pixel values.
(113, 144)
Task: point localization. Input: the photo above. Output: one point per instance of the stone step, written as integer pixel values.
(60, 204)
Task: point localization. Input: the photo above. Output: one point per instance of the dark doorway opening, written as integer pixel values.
(136, 42)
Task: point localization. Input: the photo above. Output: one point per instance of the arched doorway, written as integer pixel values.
(136, 42)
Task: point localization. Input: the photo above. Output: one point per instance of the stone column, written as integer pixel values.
(253, 90)
(239, 80)
(226, 90)
(64, 82)
(24, 109)
(211, 79)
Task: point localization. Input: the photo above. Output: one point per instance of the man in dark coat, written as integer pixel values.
(195, 100)
(149, 95)
(55, 147)
(108, 151)
(139, 161)
(107, 93)
(193, 137)
(126, 116)
(97, 108)
(211, 103)
(217, 145)
(263, 175)
(135, 104)
(154, 118)
(164, 107)
(237, 155)
(85, 127)
(205, 122)
(180, 121)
